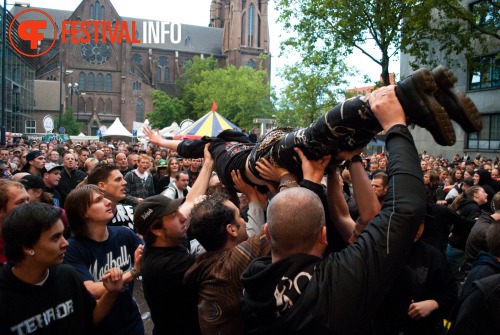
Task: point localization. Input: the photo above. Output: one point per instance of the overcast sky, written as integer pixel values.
(197, 12)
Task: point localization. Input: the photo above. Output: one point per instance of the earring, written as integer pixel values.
(32, 252)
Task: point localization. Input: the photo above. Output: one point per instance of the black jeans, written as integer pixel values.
(347, 126)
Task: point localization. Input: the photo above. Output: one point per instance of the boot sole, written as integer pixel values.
(458, 105)
(436, 120)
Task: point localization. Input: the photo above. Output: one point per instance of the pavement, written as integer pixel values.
(143, 307)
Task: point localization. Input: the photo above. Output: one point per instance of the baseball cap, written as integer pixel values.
(153, 208)
(30, 181)
(51, 166)
(162, 163)
(31, 156)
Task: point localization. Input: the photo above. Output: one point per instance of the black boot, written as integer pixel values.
(415, 93)
(458, 105)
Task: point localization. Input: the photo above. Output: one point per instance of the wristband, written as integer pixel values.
(135, 274)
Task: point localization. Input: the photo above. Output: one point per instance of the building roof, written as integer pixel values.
(194, 39)
(44, 95)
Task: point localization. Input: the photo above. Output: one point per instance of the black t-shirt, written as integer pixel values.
(162, 273)
(62, 305)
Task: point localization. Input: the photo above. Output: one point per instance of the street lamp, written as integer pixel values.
(4, 64)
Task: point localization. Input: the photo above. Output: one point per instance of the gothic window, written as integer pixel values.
(102, 13)
(250, 27)
(158, 73)
(81, 81)
(139, 116)
(137, 59)
(97, 8)
(251, 63)
(100, 82)
(96, 53)
(108, 82)
(163, 61)
(91, 12)
(136, 86)
(167, 74)
(91, 81)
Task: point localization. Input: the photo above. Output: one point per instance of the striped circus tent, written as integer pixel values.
(211, 124)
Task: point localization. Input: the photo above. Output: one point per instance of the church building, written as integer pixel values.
(102, 80)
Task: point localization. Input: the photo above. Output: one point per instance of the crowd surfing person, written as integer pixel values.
(426, 97)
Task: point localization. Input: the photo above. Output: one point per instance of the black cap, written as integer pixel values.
(152, 208)
(30, 181)
(31, 156)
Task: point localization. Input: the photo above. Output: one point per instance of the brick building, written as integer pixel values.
(115, 79)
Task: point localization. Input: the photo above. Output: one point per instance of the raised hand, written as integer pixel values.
(269, 172)
(313, 170)
(154, 136)
(113, 280)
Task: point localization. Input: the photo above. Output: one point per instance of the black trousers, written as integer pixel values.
(347, 126)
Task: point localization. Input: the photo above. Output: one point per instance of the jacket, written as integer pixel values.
(305, 294)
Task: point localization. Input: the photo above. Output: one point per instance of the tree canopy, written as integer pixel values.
(241, 94)
(165, 110)
(327, 31)
(69, 122)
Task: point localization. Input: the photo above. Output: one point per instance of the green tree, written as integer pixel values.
(68, 121)
(310, 92)
(241, 94)
(327, 31)
(165, 110)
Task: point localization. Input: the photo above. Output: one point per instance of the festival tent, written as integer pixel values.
(117, 129)
(81, 137)
(211, 124)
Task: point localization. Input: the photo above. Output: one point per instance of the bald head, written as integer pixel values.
(294, 229)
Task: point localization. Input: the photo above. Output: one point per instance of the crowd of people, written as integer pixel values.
(299, 233)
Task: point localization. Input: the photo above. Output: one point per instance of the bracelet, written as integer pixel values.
(135, 274)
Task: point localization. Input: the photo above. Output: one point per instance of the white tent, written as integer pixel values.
(170, 131)
(82, 137)
(117, 129)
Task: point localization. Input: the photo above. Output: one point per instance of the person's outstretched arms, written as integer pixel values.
(366, 199)
(337, 206)
(155, 138)
(255, 208)
(200, 185)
